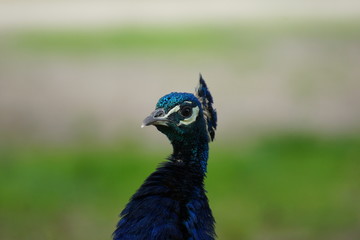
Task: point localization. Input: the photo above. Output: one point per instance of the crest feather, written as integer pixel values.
(203, 94)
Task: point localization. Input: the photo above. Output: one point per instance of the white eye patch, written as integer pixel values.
(192, 118)
(187, 121)
(174, 109)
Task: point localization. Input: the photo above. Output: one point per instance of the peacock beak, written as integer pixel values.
(157, 117)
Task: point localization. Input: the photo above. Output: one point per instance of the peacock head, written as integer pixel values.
(185, 116)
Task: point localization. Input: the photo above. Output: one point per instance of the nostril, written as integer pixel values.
(159, 113)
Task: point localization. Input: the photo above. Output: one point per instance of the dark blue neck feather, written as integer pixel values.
(190, 147)
(179, 186)
(193, 154)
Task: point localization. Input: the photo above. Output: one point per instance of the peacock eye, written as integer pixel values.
(186, 111)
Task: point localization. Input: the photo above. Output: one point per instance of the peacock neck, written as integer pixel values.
(194, 154)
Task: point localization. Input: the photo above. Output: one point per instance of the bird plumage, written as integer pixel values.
(171, 203)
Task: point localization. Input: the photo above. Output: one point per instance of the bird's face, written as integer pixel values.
(178, 115)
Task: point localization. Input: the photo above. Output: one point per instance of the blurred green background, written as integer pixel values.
(77, 79)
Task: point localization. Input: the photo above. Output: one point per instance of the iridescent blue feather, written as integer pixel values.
(171, 203)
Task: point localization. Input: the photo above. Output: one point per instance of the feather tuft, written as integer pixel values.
(203, 94)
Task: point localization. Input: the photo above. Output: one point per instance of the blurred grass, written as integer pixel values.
(246, 37)
(278, 187)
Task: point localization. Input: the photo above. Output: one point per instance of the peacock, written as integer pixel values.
(171, 204)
